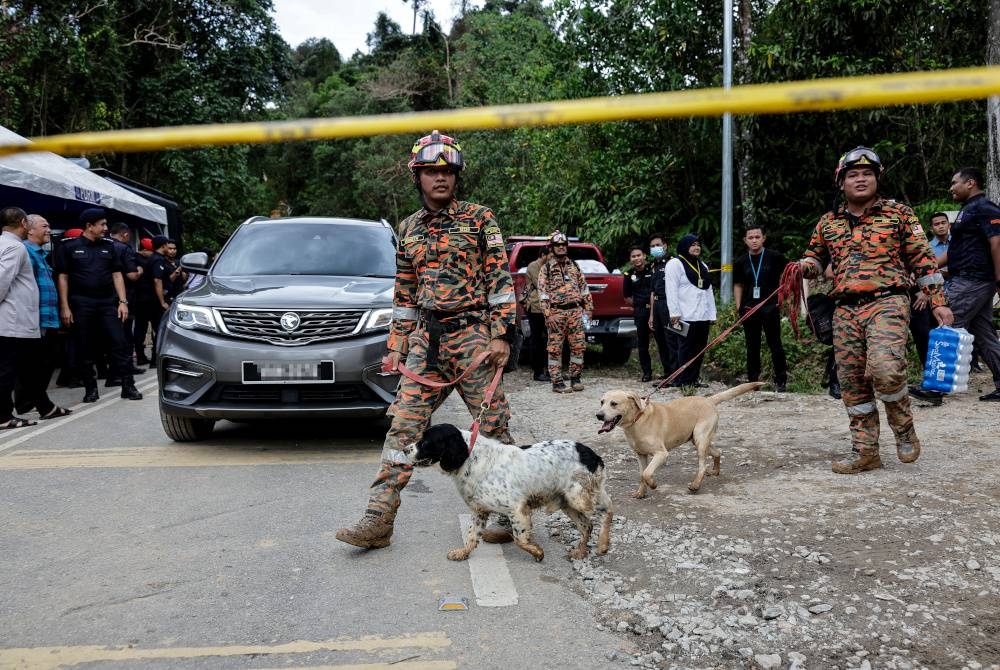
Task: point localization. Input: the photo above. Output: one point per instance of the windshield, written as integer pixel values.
(288, 248)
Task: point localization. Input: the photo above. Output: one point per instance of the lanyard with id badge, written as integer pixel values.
(756, 274)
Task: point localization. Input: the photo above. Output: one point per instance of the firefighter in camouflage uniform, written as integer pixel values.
(566, 303)
(454, 298)
(873, 245)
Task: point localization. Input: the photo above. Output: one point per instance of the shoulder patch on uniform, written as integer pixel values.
(493, 236)
(918, 230)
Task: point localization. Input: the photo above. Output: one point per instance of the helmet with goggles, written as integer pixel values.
(859, 157)
(558, 237)
(436, 149)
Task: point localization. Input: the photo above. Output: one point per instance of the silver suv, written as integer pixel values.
(291, 321)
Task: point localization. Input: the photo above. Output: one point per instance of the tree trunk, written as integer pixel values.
(744, 133)
(993, 107)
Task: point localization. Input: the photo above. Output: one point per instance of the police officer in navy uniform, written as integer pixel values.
(92, 301)
(638, 287)
(121, 235)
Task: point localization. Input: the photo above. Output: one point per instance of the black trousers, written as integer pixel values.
(666, 342)
(695, 341)
(147, 314)
(539, 342)
(920, 329)
(768, 321)
(97, 319)
(42, 357)
(642, 332)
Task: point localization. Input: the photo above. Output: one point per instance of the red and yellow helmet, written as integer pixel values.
(858, 157)
(436, 149)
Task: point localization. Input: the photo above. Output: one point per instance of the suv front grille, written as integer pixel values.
(314, 325)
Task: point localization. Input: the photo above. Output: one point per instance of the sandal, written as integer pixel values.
(17, 422)
(56, 412)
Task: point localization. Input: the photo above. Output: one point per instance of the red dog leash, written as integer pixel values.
(427, 381)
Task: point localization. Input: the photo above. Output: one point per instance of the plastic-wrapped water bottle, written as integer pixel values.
(949, 354)
(586, 322)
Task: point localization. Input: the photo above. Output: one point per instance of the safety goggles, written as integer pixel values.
(438, 153)
(558, 239)
(860, 156)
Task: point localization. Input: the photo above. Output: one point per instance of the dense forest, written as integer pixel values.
(73, 65)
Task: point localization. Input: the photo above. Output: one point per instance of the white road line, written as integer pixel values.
(490, 578)
(79, 410)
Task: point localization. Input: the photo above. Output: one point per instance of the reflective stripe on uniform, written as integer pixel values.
(859, 410)
(405, 313)
(574, 359)
(893, 397)
(543, 296)
(501, 298)
(555, 361)
(395, 456)
(930, 280)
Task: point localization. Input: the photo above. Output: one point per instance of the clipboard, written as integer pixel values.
(681, 328)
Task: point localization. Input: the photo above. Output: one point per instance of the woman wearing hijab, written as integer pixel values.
(690, 298)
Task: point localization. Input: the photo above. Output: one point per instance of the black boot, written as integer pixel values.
(112, 381)
(91, 394)
(129, 391)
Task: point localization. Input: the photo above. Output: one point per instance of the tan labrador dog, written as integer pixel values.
(654, 428)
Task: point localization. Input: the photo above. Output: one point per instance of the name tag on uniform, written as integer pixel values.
(756, 293)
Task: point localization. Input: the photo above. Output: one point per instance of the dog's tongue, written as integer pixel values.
(607, 427)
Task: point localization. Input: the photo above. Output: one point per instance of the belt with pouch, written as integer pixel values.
(858, 299)
(437, 323)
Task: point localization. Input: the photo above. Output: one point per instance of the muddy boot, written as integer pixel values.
(908, 447)
(560, 387)
(857, 462)
(576, 384)
(372, 532)
(499, 532)
(375, 527)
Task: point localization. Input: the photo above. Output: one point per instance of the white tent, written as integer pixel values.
(41, 181)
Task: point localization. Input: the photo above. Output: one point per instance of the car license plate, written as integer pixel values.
(285, 372)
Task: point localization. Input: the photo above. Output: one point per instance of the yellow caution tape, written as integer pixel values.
(790, 97)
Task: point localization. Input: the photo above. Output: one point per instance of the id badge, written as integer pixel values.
(756, 293)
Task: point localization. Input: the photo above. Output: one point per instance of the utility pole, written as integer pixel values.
(726, 251)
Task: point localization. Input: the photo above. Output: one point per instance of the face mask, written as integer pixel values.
(656, 252)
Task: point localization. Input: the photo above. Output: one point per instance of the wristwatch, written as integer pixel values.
(122, 302)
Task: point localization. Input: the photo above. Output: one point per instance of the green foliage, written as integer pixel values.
(71, 65)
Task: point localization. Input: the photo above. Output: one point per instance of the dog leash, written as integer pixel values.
(789, 293)
(427, 381)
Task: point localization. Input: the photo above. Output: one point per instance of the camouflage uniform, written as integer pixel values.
(871, 265)
(453, 294)
(564, 295)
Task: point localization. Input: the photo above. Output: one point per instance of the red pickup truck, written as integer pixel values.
(612, 324)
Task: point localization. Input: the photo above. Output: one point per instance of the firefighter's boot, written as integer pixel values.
(857, 462)
(499, 532)
(375, 527)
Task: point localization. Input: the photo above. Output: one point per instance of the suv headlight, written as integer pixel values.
(378, 319)
(193, 317)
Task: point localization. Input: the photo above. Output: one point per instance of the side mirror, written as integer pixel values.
(196, 262)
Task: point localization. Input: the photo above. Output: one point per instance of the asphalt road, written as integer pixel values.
(122, 549)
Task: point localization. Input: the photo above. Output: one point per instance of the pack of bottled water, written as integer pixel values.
(949, 355)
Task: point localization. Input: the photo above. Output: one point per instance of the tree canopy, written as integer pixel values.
(73, 65)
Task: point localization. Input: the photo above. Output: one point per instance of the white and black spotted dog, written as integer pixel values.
(514, 481)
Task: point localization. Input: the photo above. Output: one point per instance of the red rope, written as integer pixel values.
(790, 295)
